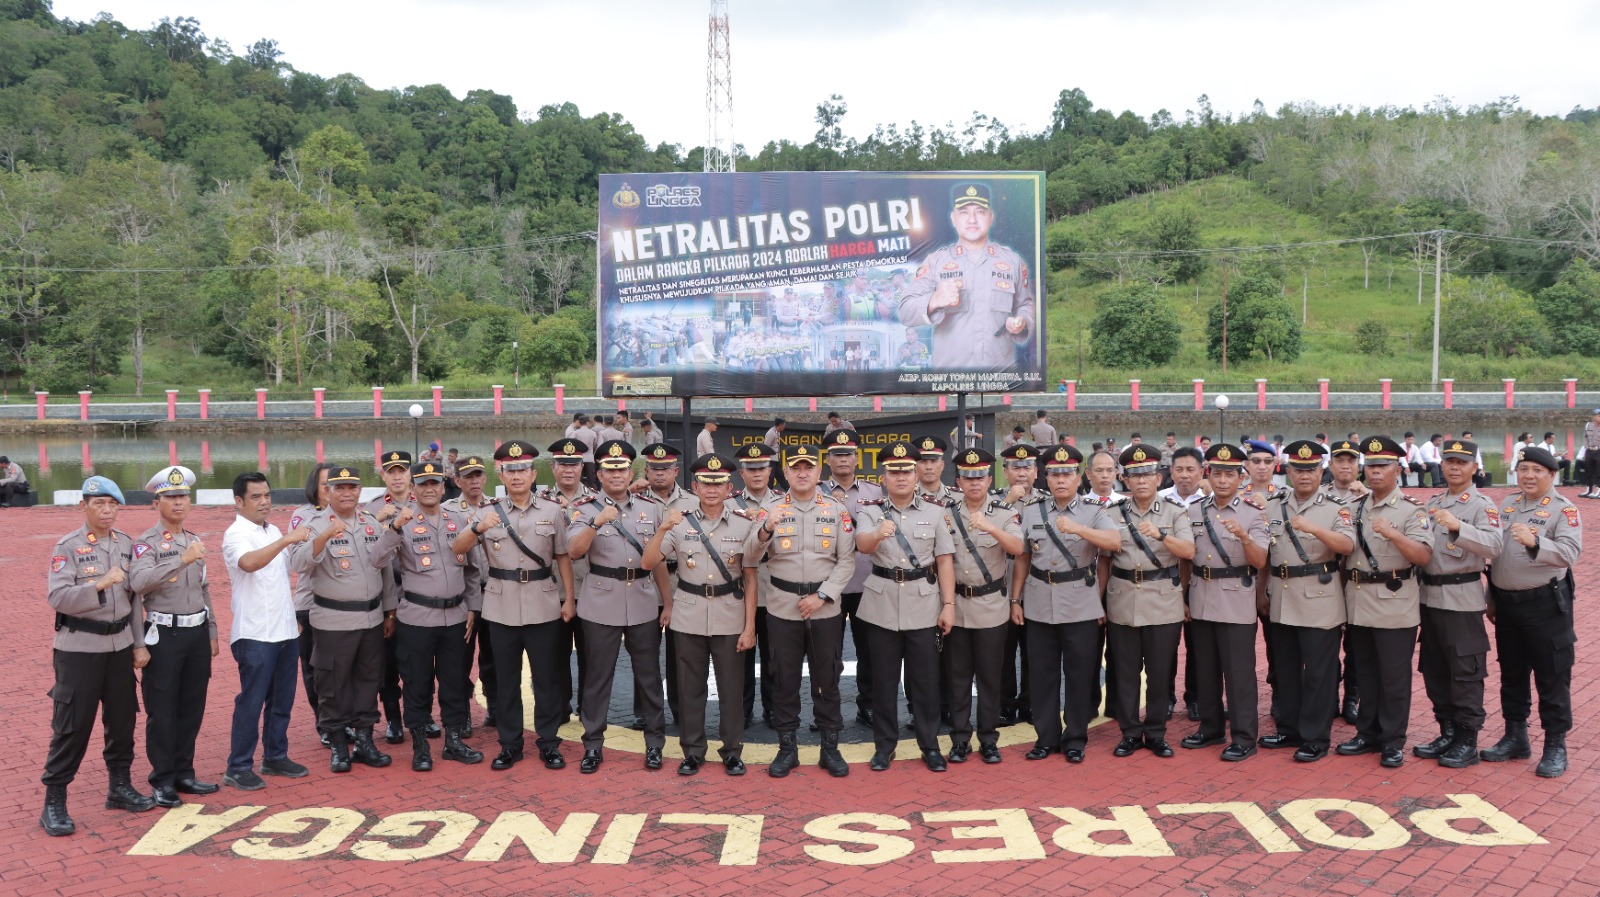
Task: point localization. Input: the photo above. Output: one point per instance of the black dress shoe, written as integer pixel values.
(393, 733)
(1172, 707)
(880, 762)
(194, 786)
(1010, 717)
(1233, 753)
(959, 752)
(934, 760)
(1040, 752)
(1349, 711)
(1192, 710)
(1357, 746)
(1311, 753)
(592, 759)
(689, 766)
(637, 725)
(1128, 745)
(733, 766)
(167, 797)
(434, 731)
(1159, 748)
(989, 752)
(1198, 740)
(1280, 741)
(865, 718)
(1073, 755)
(652, 758)
(1392, 758)
(552, 758)
(506, 759)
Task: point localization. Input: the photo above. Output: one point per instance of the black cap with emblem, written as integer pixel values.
(424, 471)
(1136, 460)
(396, 459)
(712, 469)
(1304, 454)
(1224, 455)
(615, 454)
(1459, 448)
(1019, 455)
(514, 455)
(898, 456)
(661, 454)
(344, 476)
(929, 447)
(757, 454)
(566, 451)
(974, 463)
(1062, 459)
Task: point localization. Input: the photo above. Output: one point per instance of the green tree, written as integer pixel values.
(1177, 229)
(1135, 327)
(1487, 316)
(1260, 321)
(556, 343)
(1571, 308)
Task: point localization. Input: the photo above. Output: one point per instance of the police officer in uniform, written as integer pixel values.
(396, 472)
(316, 500)
(714, 610)
(470, 474)
(845, 487)
(180, 632)
(99, 643)
(528, 599)
(440, 599)
(662, 466)
(1144, 602)
(931, 489)
(1530, 604)
(986, 533)
(621, 604)
(1454, 657)
(1055, 598)
(351, 600)
(810, 559)
(975, 293)
(566, 468)
(909, 599)
(1022, 470)
(756, 475)
(1230, 538)
(1309, 530)
(1393, 538)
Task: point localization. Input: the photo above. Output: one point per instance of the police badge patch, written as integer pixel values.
(57, 563)
(1571, 515)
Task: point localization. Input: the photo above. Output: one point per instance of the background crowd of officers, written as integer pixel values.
(942, 588)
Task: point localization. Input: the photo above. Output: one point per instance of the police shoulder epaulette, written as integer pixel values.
(1330, 498)
(866, 502)
(584, 500)
(1412, 500)
(1253, 502)
(997, 503)
(492, 501)
(751, 514)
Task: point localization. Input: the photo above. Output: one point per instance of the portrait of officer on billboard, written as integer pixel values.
(975, 293)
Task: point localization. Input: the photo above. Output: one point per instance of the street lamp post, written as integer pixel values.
(1222, 418)
(416, 431)
(516, 363)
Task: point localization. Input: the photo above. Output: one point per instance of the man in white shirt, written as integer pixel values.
(1188, 473)
(265, 636)
(1563, 476)
(1412, 462)
(1428, 455)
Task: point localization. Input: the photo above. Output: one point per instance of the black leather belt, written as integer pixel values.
(625, 574)
(1139, 577)
(1210, 573)
(1287, 571)
(358, 607)
(1517, 596)
(672, 567)
(708, 590)
(96, 627)
(902, 575)
(520, 575)
(966, 591)
(1053, 577)
(1448, 579)
(435, 603)
(1362, 576)
(796, 588)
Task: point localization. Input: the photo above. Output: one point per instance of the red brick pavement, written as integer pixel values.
(351, 836)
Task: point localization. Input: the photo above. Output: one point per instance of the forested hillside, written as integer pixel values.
(173, 209)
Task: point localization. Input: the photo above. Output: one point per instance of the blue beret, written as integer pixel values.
(1251, 446)
(94, 487)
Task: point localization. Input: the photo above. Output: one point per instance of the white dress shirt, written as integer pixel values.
(1171, 494)
(263, 604)
(1428, 452)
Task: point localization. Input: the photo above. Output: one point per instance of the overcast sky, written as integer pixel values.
(932, 61)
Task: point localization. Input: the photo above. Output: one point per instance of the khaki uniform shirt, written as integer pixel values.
(421, 551)
(1372, 604)
(679, 499)
(993, 609)
(542, 526)
(1478, 543)
(164, 583)
(344, 572)
(79, 559)
(994, 286)
(752, 506)
(613, 602)
(1043, 433)
(1156, 600)
(580, 566)
(812, 542)
(914, 603)
(733, 538)
(1305, 600)
(1224, 599)
(859, 493)
(1061, 602)
(1560, 541)
(302, 585)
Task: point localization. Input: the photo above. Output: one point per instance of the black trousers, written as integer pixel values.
(88, 683)
(763, 643)
(1187, 639)
(308, 675)
(1591, 471)
(698, 655)
(1269, 639)
(919, 650)
(1535, 637)
(546, 646)
(1225, 659)
(975, 654)
(1454, 661)
(669, 674)
(1152, 650)
(1383, 662)
(174, 685)
(427, 654)
(572, 645)
(793, 642)
(850, 602)
(483, 646)
(349, 665)
(1352, 692)
(389, 690)
(1102, 674)
(1014, 685)
(601, 644)
(1308, 681)
(1060, 652)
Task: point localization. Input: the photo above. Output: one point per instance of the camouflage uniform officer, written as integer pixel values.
(1393, 538)
(180, 632)
(908, 601)
(714, 610)
(349, 605)
(1309, 530)
(1144, 602)
(810, 554)
(1054, 580)
(1230, 538)
(1455, 645)
(1530, 604)
(99, 642)
(756, 472)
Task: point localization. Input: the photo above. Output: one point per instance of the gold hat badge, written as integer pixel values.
(899, 451)
(616, 451)
(1374, 446)
(344, 473)
(714, 464)
(755, 452)
(1139, 455)
(175, 478)
(1223, 454)
(1305, 451)
(515, 451)
(1456, 447)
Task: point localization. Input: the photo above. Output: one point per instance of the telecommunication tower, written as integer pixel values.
(719, 91)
